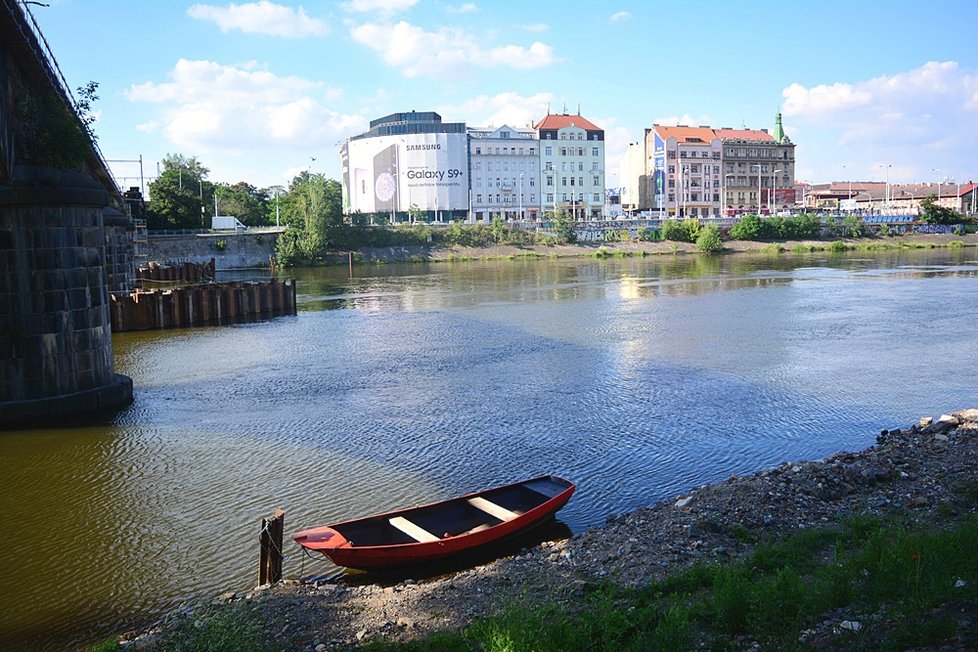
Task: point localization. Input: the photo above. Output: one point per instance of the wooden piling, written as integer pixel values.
(270, 548)
(350, 254)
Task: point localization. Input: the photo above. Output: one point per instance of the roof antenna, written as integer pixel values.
(548, 108)
(578, 108)
(565, 107)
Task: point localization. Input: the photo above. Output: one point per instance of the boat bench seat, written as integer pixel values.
(493, 509)
(414, 531)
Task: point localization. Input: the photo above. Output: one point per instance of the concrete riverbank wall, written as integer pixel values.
(230, 250)
(219, 303)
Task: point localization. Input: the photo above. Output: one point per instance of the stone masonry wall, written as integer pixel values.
(230, 250)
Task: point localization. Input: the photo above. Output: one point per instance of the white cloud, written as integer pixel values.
(446, 52)
(619, 16)
(915, 120)
(261, 17)
(382, 6)
(206, 107)
(502, 109)
(685, 119)
(467, 8)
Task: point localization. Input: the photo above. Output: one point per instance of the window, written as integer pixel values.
(548, 166)
(672, 183)
(563, 151)
(533, 151)
(596, 197)
(597, 180)
(594, 166)
(580, 151)
(478, 199)
(504, 135)
(533, 182)
(594, 151)
(580, 166)
(549, 151)
(572, 181)
(563, 181)
(478, 150)
(580, 181)
(550, 181)
(478, 165)
(672, 196)
(550, 197)
(716, 169)
(672, 169)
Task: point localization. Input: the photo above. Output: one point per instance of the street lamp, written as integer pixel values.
(774, 187)
(521, 196)
(849, 177)
(886, 197)
(725, 177)
(758, 188)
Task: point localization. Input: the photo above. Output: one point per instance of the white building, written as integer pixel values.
(504, 166)
(572, 174)
(407, 163)
(634, 179)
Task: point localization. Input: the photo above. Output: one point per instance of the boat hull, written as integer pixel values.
(470, 522)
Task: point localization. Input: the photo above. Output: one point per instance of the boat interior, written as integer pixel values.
(452, 518)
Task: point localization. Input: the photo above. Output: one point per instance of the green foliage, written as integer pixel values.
(563, 227)
(837, 245)
(649, 235)
(220, 630)
(748, 228)
(933, 213)
(179, 197)
(245, 202)
(708, 240)
(680, 231)
(108, 645)
(853, 226)
(49, 132)
(312, 211)
(868, 566)
(221, 245)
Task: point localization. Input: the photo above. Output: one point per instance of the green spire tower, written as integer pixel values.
(778, 129)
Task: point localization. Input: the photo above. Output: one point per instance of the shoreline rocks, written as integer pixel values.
(925, 471)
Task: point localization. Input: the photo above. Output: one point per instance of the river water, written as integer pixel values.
(637, 378)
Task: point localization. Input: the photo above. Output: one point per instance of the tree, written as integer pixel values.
(933, 213)
(313, 212)
(180, 195)
(708, 240)
(244, 201)
(748, 228)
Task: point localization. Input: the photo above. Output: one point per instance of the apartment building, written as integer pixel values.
(504, 168)
(758, 170)
(705, 172)
(572, 175)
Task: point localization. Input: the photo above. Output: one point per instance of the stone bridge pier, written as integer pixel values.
(62, 239)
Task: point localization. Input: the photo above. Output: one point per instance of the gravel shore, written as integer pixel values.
(921, 470)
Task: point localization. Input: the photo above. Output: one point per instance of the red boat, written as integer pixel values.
(432, 532)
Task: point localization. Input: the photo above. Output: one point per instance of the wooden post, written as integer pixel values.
(351, 264)
(270, 553)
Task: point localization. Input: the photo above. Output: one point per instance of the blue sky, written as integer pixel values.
(259, 91)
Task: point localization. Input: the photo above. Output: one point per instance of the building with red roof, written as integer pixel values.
(705, 172)
(572, 174)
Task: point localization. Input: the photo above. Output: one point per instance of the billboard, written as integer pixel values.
(392, 173)
(659, 173)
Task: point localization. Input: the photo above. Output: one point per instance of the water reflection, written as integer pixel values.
(636, 378)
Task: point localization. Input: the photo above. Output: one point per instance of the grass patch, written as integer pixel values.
(956, 244)
(838, 245)
(772, 249)
(228, 629)
(864, 567)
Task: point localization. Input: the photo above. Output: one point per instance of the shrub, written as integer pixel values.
(680, 231)
(708, 240)
(748, 228)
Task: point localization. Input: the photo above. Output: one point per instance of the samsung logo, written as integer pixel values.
(412, 148)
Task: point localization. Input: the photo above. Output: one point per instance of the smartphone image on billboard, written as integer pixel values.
(385, 179)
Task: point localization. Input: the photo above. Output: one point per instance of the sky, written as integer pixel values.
(260, 91)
